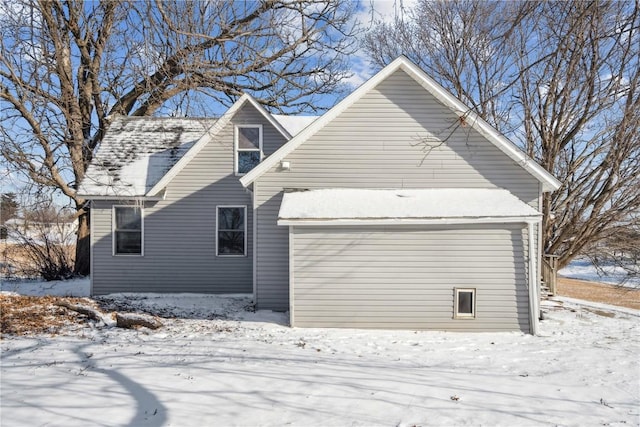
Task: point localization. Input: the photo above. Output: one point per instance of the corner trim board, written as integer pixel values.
(254, 236)
(91, 247)
(291, 278)
(533, 286)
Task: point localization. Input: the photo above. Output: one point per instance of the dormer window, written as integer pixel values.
(248, 147)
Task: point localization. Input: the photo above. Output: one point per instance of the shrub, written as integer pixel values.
(42, 249)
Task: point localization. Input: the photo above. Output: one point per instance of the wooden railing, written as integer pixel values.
(550, 272)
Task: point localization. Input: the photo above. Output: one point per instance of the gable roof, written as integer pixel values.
(211, 133)
(549, 183)
(137, 152)
(139, 156)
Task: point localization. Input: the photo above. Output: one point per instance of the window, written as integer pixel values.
(231, 231)
(127, 230)
(248, 145)
(465, 303)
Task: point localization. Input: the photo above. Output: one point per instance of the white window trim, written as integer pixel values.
(244, 207)
(237, 149)
(467, 316)
(113, 230)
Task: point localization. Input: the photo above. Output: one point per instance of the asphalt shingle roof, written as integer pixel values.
(137, 152)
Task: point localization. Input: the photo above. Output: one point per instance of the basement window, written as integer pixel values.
(248, 147)
(464, 306)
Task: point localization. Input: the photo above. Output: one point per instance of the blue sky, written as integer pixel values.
(370, 11)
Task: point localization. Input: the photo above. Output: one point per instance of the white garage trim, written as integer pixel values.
(409, 221)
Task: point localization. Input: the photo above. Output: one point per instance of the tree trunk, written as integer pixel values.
(88, 65)
(131, 320)
(83, 245)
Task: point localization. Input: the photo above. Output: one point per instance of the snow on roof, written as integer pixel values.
(294, 124)
(436, 203)
(137, 152)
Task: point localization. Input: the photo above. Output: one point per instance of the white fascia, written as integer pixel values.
(160, 196)
(409, 221)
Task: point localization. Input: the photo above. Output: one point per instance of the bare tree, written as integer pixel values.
(66, 66)
(8, 207)
(41, 242)
(560, 79)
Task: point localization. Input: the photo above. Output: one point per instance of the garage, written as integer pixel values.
(436, 259)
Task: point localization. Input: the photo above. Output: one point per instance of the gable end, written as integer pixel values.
(211, 133)
(549, 183)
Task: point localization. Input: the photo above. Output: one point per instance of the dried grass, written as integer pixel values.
(599, 292)
(29, 315)
(33, 260)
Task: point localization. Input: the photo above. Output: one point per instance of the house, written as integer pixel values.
(398, 208)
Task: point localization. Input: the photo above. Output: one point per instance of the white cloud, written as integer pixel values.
(372, 12)
(361, 70)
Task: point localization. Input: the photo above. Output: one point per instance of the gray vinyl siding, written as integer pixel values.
(180, 231)
(404, 277)
(376, 144)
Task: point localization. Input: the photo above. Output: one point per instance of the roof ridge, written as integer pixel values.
(154, 118)
(295, 115)
(213, 131)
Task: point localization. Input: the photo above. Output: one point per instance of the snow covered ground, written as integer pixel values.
(216, 363)
(583, 269)
(63, 288)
